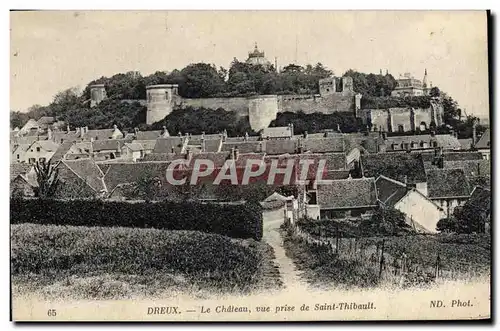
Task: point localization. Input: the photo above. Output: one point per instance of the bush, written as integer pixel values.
(56, 252)
(242, 220)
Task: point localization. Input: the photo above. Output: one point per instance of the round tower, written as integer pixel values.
(97, 94)
(262, 110)
(160, 101)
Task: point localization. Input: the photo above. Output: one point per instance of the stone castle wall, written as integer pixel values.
(237, 104)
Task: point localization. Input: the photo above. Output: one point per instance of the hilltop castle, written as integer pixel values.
(261, 110)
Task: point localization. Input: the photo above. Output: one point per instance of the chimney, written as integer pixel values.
(136, 130)
(225, 133)
(232, 153)
(236, 153)
(86, 129)
(305, 134)
(203, 144)
(180, 134)
(203, 135)
(173, 149)
(474, 134)
(68, 130)
(188, 154)
(291, 129)
(246, 136)
(49, 134)
(384, 135)
(452, 132)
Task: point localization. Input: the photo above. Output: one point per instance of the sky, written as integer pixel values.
(55, 50)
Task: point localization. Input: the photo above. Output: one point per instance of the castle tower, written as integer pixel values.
(97, 94)
(262, 110)
(425, 89)
(160, 101)
(327, 86)
(347, 85)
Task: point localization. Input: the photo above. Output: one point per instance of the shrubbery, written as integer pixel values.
(234, 220)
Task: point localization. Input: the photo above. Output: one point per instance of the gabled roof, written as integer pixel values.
(107, 145)
(150, 135)
(134, 146)
(46, 120)
(447, 183)
(22, 147)
(323, 145)
(347, 193)
(48, 145)
(276, 147)
(61, 151)
(484, 141)
(120, 173)
(394, 165)
(165, 145)
(217, 158)
(163, 157)
(102, 134)
(277, 132)
(480, 199)
(465, 143)
(146, 144)
(88, 171)
(390, 191)
(19, 169)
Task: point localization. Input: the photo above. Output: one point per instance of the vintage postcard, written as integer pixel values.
(250, 165)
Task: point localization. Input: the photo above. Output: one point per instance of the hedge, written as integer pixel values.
(243, 220)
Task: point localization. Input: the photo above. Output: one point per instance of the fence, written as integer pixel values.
(371, 253)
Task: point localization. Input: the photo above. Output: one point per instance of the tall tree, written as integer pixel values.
(47, 177)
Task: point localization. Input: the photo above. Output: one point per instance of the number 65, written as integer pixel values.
(52, 312)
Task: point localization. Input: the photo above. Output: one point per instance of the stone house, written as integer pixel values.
(448, 188)
(41, 150)
(337, 199)
(422, 214)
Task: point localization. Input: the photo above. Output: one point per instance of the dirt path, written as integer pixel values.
(271, 235)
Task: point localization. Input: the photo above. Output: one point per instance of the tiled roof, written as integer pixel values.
(163, 156)
(347, 193)
(236, 139)
(277, 132)
(88, 171)
(276, 147)
(147, 145)
(443, 140)
(394, 165)
(102, 134)
(46, 120)
(120, 173)
(243, 146)
(48, 145)
(480, 199)
(217, 158)
(147, 135)
(390, 191)
(19, 169)
(447, 183)
(108, 145)
(484, 141)
(26, 140)
(165, 145)
(134, 146)
(64, 136)
(465, 143)
(323, 145)
(213, 145)
(61, 151)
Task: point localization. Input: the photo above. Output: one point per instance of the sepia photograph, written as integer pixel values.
(250, 165)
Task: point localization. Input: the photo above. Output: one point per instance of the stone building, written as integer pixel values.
(257, 57)
(407, 85)
(97, 94)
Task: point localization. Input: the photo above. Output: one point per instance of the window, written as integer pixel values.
(38, 149)
(401, 128)
(42, 159)
(32, 160)
(18, 156)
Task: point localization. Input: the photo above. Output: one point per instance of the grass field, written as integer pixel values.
(112, 263)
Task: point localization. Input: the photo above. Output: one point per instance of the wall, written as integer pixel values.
(317, 104)
(398, 116)
(97, 94)
(237, 104)
(421, 210)
(313, 211)
(449, 205)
